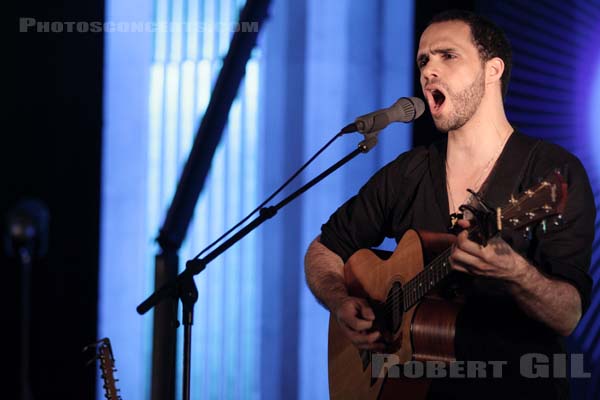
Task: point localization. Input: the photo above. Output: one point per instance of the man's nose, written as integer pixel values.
(429, 71)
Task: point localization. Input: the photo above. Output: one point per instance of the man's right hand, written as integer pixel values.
(355, 317)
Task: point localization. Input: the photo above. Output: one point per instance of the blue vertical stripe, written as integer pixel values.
(209, 39)
(192, 19)
(188, 115)
(177, 31)
(160, 36)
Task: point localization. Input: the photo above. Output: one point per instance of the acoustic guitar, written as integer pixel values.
(415, 321)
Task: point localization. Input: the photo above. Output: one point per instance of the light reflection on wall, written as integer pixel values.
(157, 86)
(185, 66)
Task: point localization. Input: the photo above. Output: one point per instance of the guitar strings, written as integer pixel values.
(434, 266)
(413, 296)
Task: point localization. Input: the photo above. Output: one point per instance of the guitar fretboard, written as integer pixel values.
(424, 281)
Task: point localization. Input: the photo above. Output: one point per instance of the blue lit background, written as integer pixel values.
(258, 331)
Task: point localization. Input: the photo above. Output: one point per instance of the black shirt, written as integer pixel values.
(410, 193)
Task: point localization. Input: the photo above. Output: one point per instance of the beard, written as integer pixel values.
(465, 102)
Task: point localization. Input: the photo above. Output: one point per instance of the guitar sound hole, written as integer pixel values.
(394, 305)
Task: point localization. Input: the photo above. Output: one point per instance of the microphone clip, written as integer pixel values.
(369, 141)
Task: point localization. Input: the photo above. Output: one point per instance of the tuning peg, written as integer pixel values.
(558, 220)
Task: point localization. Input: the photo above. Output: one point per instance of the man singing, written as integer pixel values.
(523, 294)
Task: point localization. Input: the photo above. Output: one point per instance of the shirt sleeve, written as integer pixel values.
(565, 250)
(366, 218)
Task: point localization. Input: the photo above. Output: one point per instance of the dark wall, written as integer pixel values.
(50, 150)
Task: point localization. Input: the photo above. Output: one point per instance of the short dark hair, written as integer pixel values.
(490, 40)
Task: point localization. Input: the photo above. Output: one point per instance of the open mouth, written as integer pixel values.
(438, 100)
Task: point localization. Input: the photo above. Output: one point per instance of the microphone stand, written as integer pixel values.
(184, 287)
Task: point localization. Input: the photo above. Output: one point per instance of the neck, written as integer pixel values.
(481, 137)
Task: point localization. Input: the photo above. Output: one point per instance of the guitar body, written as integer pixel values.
(422, 332)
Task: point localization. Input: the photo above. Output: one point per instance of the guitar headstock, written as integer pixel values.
(107, 367)
(535, 205)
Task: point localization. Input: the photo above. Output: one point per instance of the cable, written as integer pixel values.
(302, 168)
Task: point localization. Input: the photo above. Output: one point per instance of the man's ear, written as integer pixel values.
(494, 70)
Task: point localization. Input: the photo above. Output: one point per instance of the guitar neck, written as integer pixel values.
(430, 277)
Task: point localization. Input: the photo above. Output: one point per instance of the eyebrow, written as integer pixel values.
(424, 56)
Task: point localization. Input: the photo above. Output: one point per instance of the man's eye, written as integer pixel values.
(448, 56)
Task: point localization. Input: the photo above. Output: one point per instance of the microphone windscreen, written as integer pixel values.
(407, 109)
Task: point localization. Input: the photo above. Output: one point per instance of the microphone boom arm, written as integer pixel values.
(197, 265)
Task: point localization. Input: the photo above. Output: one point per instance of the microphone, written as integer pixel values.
(405, 109)
(27, 229)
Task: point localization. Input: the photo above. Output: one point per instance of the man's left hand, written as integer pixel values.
(495, 260)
